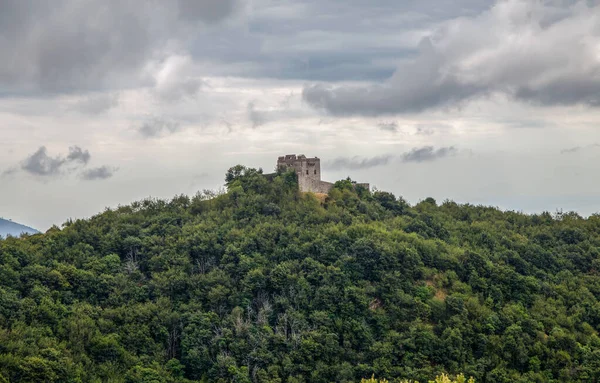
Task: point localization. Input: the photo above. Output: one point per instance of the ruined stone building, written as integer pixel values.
(309, 173)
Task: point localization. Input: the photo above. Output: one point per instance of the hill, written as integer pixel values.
(8, 227)
(266, 284)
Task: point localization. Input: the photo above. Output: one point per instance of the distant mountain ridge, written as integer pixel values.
(8, 227)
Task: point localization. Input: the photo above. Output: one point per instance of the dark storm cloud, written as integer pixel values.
(41, 164)
(416, 86)
(555, 63)
(68, 45)
(158, 126)
(342, 40)
(100, 173)
(358, 162)
(466, 49)
(65, 46)
(428, 153)
(574, 89)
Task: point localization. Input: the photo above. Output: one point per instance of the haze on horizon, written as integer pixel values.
(486, 102)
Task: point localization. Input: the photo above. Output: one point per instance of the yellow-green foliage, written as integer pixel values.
(373, 380)
(438, 379)
(445, 379)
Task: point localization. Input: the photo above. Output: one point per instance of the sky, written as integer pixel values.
(105, 102)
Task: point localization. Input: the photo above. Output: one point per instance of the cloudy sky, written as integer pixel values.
(103, 102)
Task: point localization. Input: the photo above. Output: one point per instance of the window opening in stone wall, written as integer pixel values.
(315, 171)
(307, 171)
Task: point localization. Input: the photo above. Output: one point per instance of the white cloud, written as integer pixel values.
(177, 78)
(96, 103)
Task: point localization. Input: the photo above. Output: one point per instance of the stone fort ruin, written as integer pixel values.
(309, 173)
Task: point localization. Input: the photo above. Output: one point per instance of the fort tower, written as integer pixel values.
(308, 171)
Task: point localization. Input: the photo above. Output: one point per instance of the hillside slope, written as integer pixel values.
(264, 284)
(12, 228)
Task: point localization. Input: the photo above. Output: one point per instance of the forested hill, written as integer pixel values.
(12, 228)
(265, 284)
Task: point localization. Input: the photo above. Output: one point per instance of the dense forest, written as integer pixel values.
(262, 283)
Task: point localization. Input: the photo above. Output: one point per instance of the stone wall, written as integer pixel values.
(314, 186)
